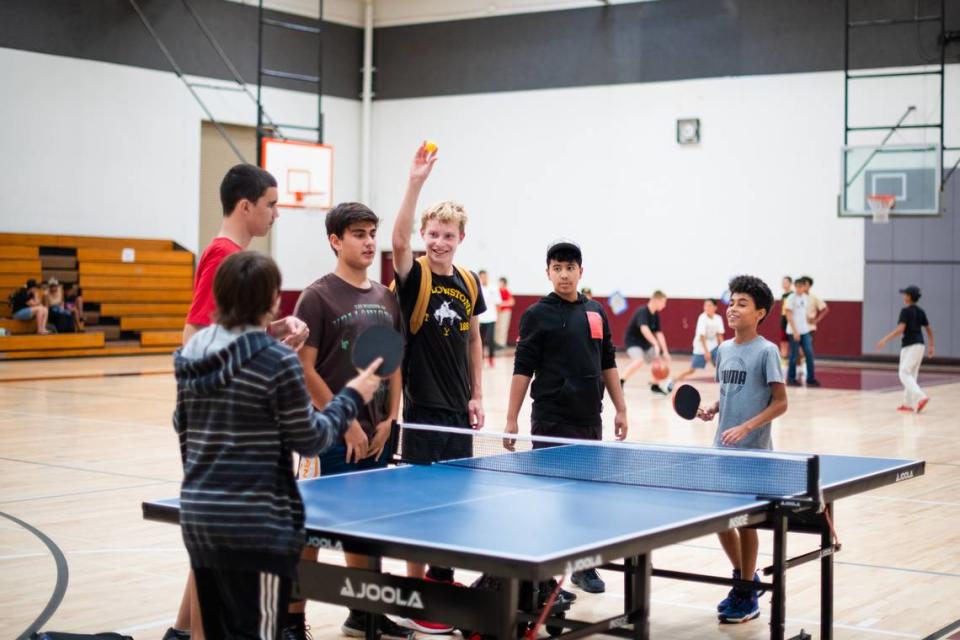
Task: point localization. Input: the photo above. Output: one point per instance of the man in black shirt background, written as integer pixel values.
(910, 325)
(645, 341)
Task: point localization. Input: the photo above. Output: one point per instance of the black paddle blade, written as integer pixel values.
(378, 341)
(686, 402)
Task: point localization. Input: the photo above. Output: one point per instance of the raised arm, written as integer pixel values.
(403, 226)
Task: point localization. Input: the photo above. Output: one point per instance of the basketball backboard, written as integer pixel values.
(304, 172)
(910, 173)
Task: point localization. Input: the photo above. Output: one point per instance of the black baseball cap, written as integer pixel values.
(913, 291)
(568, 249)
(31, 283)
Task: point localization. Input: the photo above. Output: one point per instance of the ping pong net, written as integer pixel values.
(766, 475)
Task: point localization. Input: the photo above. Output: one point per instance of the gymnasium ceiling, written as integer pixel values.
(396, 12)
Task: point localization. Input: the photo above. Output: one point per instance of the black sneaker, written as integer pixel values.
(589, 580)
(657, 389)
(296, 631)
(813, 383)
(569, 596)
(355, 626)
(176, 634)
(794, 383)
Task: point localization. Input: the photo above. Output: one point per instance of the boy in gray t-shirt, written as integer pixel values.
(752, 394)
(745, 372)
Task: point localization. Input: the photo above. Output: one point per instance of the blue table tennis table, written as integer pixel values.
(526, 516)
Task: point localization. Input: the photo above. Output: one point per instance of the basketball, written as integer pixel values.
(659, 370)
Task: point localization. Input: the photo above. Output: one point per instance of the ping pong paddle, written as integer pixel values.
(686, 402)
(378, 341)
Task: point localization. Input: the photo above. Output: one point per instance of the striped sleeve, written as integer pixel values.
(180, 426)
(302, 428)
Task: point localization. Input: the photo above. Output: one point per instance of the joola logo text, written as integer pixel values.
(904, 475)
(739, 521)
(385, 594)
(622, 621)
(324, 543)
(582, 564)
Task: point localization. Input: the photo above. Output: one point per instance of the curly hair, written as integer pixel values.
(756, 289)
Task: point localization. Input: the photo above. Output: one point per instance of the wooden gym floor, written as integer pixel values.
(83, 442)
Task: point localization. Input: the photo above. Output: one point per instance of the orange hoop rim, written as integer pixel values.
(884, 199)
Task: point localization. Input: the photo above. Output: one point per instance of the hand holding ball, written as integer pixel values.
(430, 146)
(659, 370)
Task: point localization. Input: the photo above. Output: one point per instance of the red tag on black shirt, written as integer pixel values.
(596, 325)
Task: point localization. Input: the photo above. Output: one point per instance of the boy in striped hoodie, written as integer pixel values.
(242, 408)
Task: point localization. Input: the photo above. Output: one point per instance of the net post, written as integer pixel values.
(813, 481)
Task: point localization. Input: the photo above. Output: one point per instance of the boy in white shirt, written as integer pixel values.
(799, 333)
(706, 338)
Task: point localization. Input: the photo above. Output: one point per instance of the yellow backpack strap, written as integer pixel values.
(471, 285)
(423, 296)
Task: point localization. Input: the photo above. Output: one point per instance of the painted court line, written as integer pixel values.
(24, 414)
(789, 620)
(106, 473)
(86, 493)
(925, 572)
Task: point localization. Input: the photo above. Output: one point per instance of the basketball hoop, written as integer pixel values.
(881, 205)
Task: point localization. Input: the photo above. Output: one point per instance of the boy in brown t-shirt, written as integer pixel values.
(337, 308)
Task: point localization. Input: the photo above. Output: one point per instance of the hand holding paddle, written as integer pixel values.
(378, 341)
(367, 383)
(686, 402)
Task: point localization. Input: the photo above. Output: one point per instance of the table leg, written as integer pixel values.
(372, 632)
(826, 579)
(636, 601)
(509, 598)
(779, 609)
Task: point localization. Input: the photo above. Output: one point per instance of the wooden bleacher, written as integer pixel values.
(139, 301)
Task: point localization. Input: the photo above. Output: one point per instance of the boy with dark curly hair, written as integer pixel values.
(752, 394)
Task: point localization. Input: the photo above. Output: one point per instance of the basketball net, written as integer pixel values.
(881, 205)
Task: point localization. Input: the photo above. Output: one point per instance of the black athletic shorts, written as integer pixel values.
(242, 605)
(563, 430)
(424, 447)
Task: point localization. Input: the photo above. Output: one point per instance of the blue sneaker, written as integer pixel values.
(744, 607)
(723, 604)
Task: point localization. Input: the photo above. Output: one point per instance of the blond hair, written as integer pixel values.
(446, 211)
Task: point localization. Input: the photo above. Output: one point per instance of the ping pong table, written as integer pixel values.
(527, 516)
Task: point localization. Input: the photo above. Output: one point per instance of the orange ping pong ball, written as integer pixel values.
(430, 146)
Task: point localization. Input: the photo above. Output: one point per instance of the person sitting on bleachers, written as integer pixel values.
(26, 304)
(73, 302)
(60, 317)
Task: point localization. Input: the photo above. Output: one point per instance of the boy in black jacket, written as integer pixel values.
(566, 347)
(242, 407)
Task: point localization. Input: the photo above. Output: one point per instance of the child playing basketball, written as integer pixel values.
(645, 341)
(910, 324)
(752, 394)
(242, 407)
(706, 339)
